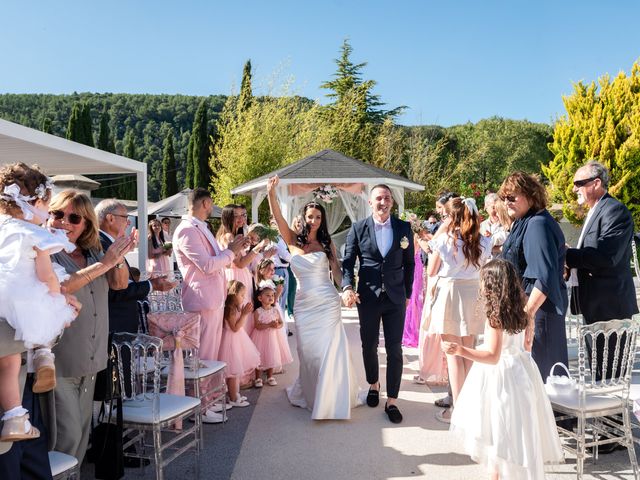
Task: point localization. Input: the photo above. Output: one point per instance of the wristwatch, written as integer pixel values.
(119, 265)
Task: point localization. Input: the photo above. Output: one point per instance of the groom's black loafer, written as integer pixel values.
(373, 398)
(393, 413)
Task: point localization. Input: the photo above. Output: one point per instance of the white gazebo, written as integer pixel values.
(175, 206)
(351, 178)
(58, 156)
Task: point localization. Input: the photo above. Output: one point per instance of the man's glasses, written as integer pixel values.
(120, 215)
(72, 218)
(582, 183)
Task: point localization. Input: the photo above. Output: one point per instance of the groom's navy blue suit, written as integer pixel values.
(384, 284)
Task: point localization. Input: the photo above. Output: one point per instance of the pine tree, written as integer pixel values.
(87, 125)
(602, 123)
(169, 178)
(200, 152)
(188, 177)
(246, 95)
(105, 140)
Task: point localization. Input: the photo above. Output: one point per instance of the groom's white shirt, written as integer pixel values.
(384, 235)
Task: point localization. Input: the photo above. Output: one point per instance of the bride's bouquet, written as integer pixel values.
(417, 226)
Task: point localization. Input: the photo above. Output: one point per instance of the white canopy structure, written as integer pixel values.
(351, 178)
(175, 206)
(57, 156)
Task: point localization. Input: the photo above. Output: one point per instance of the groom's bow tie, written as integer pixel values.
(382, 226)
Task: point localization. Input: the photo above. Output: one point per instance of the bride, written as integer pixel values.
(326, 384)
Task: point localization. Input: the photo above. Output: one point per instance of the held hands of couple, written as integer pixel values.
(349, 298)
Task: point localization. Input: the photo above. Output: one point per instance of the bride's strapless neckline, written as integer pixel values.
(303, 254)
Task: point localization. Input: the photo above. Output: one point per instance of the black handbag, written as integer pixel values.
(108, 380)
(106, 450)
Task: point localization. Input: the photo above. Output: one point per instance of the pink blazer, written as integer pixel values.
(203, 270)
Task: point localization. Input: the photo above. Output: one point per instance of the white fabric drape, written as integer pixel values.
(335, 214)
(356, 206)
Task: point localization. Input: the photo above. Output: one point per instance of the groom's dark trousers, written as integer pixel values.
(384, 284)
(392, 316)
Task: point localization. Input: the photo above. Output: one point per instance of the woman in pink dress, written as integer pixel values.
(236, 349)
(413, 316)
(159, 261)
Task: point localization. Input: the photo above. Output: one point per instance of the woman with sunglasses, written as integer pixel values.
(82, 351)
(159, 261)
(536, 247)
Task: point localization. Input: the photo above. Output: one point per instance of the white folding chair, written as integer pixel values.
(63, 466)
(601, 403)
(147, 411)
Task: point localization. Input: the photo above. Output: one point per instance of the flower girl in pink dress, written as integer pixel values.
(236, 348)
(273, 347)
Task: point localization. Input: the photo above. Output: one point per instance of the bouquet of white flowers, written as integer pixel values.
(417, 225)
(167, 245)
(326, 193)
(277, 280)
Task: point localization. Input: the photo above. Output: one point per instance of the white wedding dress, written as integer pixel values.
(326, 384)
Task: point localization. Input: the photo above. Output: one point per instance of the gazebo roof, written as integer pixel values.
(328, 166)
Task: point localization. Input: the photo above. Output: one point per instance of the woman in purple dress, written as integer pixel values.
(413, 316)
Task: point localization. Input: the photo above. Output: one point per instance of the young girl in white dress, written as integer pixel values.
(30, 298)
(273, 347)
(503, 413)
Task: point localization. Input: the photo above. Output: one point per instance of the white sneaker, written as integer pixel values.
(238, 403)
(217, 408)
(212, 417)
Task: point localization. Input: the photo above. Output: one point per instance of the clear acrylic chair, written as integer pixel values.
(149, 413)
(63, 466)
(601, 403)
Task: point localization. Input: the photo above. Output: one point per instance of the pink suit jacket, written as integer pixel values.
(202, 268)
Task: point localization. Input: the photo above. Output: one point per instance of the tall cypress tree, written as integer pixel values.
(46, 125)
(87, 125)
(246, 95)
(200, 152)
(188, 177)
(75, 130)
(106, 143)
(127, 188)
(169, 177)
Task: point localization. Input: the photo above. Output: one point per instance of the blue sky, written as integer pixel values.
(448, 61)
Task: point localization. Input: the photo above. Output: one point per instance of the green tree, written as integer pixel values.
(46, 125)
(169, 179)
(75, 129)
(87, 125)
(105, 140)
(602, 123)
(246, 95)
(200, 152)
(188, 178)
(127, 186)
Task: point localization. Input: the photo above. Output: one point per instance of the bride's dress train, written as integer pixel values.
(327, 383)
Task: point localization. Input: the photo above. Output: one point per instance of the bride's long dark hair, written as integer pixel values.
(323, 231)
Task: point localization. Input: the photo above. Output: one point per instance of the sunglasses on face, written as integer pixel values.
(509, 198)
(582, 183)
(72, 218)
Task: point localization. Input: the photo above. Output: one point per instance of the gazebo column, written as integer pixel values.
(141, 187)
(254, 207)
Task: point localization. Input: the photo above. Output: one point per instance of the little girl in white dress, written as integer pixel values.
(30, 297)
(503, 413)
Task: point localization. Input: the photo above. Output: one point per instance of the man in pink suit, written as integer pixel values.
(202, 263)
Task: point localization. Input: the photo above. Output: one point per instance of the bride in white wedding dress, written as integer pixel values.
(327, 383)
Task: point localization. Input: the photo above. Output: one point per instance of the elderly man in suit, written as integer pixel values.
(123, 304)
(202, 264)
(600, 274)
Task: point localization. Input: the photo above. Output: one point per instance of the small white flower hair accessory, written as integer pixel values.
(266, 284)
(470, 203)
(12, 193)
(41, 190)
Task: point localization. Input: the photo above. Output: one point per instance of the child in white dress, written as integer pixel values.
(30, 297)
(503, 413)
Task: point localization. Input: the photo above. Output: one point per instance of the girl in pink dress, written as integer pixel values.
(236, 349)
(266, 271)
(273, 347)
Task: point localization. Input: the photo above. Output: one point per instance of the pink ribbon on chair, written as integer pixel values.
(177, 330)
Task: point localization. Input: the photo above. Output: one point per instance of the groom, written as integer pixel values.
(384, 246)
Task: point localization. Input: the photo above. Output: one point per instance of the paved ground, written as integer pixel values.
(273, 440)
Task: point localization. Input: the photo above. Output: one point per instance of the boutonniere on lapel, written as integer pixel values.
(404, 243)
